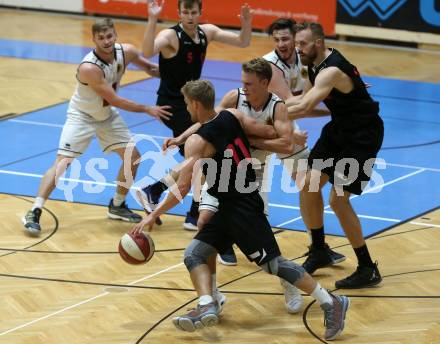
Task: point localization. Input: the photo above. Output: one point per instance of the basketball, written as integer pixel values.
(136, 248)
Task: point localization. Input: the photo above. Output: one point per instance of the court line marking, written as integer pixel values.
(366, 191)
(61, 125)
(275, 205)
(166, 137)
(84, 302)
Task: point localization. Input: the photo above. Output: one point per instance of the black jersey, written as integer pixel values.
(186, 65)
(233, 165)
(348, 110)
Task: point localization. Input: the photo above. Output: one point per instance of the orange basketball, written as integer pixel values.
(136, 248)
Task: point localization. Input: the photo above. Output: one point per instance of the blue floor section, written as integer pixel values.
(411, 148)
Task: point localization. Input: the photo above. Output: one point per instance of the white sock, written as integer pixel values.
(321, 295)
(205, 299)
(38, 203)
(118, 199)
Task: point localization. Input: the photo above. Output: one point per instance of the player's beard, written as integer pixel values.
(307, 59)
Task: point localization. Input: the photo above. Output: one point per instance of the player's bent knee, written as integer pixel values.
(197, 254)
(285, 269)
(290, 271)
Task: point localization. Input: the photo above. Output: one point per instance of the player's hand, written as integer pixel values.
(159, 112)
(245, 14)
(154, 8)
(300, 137)
(153, 70)
(171, 142)
(147, 222)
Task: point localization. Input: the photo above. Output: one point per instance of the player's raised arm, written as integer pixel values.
(152, 44)
(242, 39)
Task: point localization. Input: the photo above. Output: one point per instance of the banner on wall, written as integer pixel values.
(225, 12)
(57, 5)
(411, 15)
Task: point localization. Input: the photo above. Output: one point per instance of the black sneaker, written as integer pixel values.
(228, 257)
(364, 276)
(316, 259)
(31, 222)
(336, 257)
(122, 213)
(150, 200)
(148, 208)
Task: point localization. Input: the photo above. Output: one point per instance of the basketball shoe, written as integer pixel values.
(31, 222)
(122, 213)
(292, 296)
(198, 318)
(334, 316)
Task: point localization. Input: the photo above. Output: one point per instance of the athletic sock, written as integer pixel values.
(118, 199)
(38, 203)
(205, 299)
(321, 295)
(318, 238)
(363, 256)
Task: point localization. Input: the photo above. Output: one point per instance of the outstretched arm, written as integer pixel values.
(181, 139)
(132, 55)
(214, 33)
(92, 75)
(194, 148)
(324, 83)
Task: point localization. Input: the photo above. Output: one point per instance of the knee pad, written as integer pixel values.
(285, 269)
(197, 253)
(271, 266)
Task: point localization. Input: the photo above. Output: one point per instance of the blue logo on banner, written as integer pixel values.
(383, 8)
(429, 13)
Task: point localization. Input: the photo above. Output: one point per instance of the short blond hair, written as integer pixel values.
(102, 24)
(201, 91)
(260, 67)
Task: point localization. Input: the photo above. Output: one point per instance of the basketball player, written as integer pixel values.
(240, 217)
(355, 132)
(287, 82)
(91, 112)
(182, 50)
(253, 100)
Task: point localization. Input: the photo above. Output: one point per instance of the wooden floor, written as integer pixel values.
(70, 286)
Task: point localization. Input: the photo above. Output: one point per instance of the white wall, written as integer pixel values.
(59, 5)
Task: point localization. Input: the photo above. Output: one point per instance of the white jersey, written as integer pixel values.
(294, 74)
(85, 102)
(265, 115)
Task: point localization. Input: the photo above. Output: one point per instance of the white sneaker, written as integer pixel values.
(220, 298)
(292, 297)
